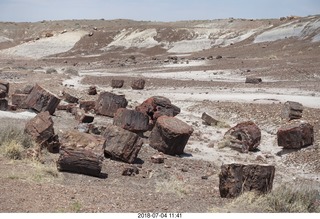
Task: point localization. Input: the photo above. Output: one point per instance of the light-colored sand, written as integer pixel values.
(21, 115)
(46, 46)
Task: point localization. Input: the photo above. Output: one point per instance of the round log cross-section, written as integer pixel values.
(170, 135)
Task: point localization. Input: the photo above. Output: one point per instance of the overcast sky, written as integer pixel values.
(153, 10)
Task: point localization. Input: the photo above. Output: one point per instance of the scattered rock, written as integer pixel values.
(3, 104)
(157, 106)
(49, 35)
(4, 87)
(87, 105)
(42, 100)
(138, 84)
(40, 128)
(19, 100)
(170, 135)
(69, 98)
(117, 83)
(235, 179)
(51, 71)
(291, 110)
(131, 120)
(252, 80)
(83, 117)
(108, 103)
(244, 136)
(121, 144)
(158, 158)
(295, 135)
(218, 57)
(92, 90)
(130, 171)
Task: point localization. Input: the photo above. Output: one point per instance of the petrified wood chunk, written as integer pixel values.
(291, 110)
(42, 100)
(78, 160)
(131, 120)
(245, 136)
(138, 84)
(252, 80)
(295, 135)
(108, 103)
(170, 135)
(235, 179)
(117, 83)
(19, 100)
(121, 144)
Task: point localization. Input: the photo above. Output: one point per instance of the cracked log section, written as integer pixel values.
(244, 136)
(78, 160)
(235, 179)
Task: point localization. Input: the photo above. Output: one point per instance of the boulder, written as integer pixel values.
(117, 83)
(130, 171)
(157, 106)
(42, 100)
(4, 86)
(121, 144)
(19, 100)
(40, 128)
(108, 103)
(3, 94)
(234, 179)
(92, 90)
(87, 105)
(252, 80)
(245, 136)
(158, 158)
(131, 120)
(83, 117)
(170, 135)
(4, 104)
(291, 110)
(295, 135)
(138, 84)
(69, 98)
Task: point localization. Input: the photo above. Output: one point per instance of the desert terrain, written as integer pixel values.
(201, 66)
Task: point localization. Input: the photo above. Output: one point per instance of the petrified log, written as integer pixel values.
(42, 100)
(19, 100)
(170, 135)
(131, 120)
(108, 103)
(4, 86)
(87, 105)
(209, 120)
(117, 83)
(76, 139)
(40, 128)
(295, 135)
(157, 106)
(78, 160)
(3, 104)
(121, 144)
(138, 84)
(69, 98)
(252, 80)
(291, 110)
(245, 136)
(83, 117)
(66, 106)
(92, 90)
(235, 179)
(3, 94)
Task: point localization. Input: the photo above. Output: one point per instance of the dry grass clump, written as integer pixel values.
(284, 199)
(13, 142)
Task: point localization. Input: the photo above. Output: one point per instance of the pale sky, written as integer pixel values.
(153, 10)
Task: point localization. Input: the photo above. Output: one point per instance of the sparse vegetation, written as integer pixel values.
(13, 142)
(284, 199)
(51, 71)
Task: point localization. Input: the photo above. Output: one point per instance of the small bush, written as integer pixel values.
(71, 71)
(51, 71)
(8, 134)
(284, 199)
(13, 150)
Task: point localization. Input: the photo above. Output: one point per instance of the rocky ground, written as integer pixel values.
(179, 61)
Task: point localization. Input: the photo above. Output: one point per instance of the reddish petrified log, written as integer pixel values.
(170, 135)
(234, 179)
(131, 120)
(108, 103)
